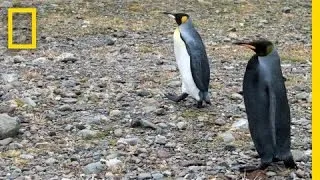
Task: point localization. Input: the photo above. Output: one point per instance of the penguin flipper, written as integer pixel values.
(175, 98)
(199, 63)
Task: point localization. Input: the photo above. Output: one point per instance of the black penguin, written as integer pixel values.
(267, 108)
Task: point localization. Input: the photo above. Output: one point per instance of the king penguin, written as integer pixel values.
(266, 104)
(192, 60)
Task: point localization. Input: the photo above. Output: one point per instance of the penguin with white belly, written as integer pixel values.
(192, 60)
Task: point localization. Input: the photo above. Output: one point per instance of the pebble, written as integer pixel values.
(9, 78)
(143, 176)
(115, 114)
(9, 126)
(50, 161)
(286, 10)
(66, 57)
(236, 96)
(220, 122)
(300, 173)
(26, 156)
(118, 132)
(182, 125)
(227, 137)
(29, 101)
(271, 173)
(131, 141)
(299, 155)
(87, 133)
(114, 163)
(5, 141)
(65, 107)
(160, 139)
(302, 96)
(240, 124)
(157, 176)
(94, 168)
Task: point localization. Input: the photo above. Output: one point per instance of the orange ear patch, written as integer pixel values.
(184, 19)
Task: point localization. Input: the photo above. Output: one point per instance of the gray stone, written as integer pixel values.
(18, 59)
(227, 137)
(65, 107)
(115, 114)
(160, 139)
(66, 57)
(9, 78)
(299, 155)
(50, 161)
(271, 173)
(236, 96)
(163, 125)
(182, 125)
(94, 168)
(29, 101)
(26, 156)
(241, 124)
(9, 126)
(113, 164)
(286, 10)
(302, 96)
(68, 127)
(131, 141)
(87, 133)
(157, 176)
(220, 122)
(6, 141)
(40, 60)
(118, 132)
(143, 176)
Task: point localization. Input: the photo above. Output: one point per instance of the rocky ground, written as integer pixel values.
(89, 101)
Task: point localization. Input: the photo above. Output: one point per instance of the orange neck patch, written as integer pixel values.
(184, 19)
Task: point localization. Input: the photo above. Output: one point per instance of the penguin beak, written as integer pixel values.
(170, 15)
(248, 45)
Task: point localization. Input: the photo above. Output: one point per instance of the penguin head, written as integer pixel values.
(260, 47)
(179, 17)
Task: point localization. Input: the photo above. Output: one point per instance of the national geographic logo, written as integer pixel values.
(33, 44)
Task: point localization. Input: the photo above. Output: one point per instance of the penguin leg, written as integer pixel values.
(262, 166)
(176, 98)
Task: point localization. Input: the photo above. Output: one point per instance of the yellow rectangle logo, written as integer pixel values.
(33, 12)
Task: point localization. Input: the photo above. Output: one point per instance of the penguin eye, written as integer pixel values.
(184, 19)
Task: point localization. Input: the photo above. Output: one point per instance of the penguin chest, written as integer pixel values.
(183, 60)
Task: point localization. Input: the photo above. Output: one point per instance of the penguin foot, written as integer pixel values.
(253, 168)
(176, 98)
(208, 102)
(289, 163)
(199, 104)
